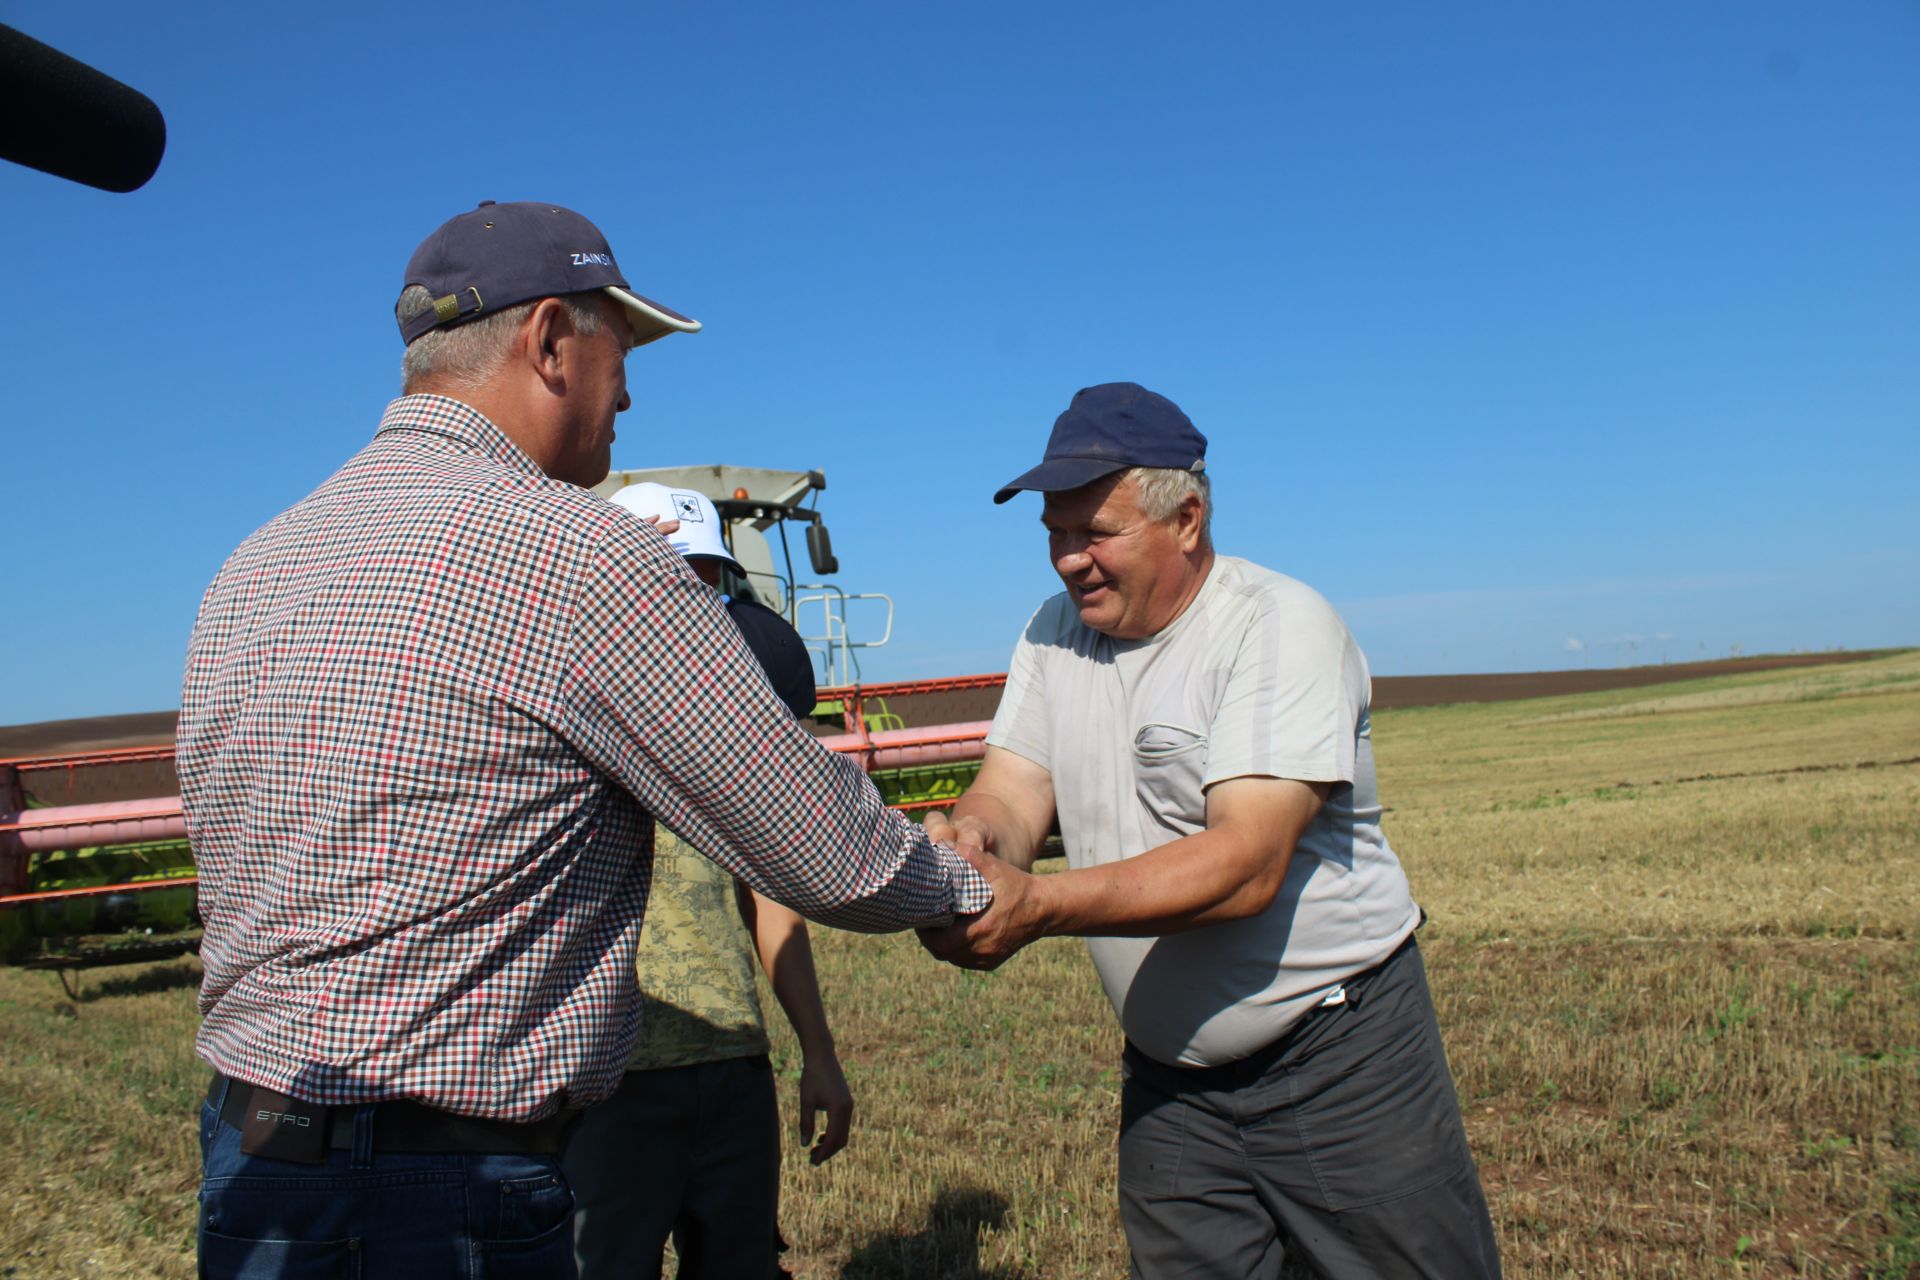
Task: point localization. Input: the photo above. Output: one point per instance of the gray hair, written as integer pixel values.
(1161, 491)
(469, 355)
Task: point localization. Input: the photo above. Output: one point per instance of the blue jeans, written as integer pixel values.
(364, 1215)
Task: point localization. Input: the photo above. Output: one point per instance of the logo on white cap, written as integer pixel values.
(700, 532)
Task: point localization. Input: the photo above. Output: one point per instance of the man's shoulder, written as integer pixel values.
(427, 483)
(1258, 612)
(1245, 587)
(401, 491)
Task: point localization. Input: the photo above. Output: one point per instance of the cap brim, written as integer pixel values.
(728, 561)
(1059, 474)
(648, 318)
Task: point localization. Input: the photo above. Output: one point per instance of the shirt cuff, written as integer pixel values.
(971, 892)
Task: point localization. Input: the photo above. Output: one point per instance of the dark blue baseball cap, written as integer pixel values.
(501, 255)
(1112, 427)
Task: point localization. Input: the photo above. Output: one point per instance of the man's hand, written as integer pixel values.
(987, 939)
(964, 832)
(823, 1087)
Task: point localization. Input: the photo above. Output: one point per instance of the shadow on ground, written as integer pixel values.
(948, 1248)
(85, 986)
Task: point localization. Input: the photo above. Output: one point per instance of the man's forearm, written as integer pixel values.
(1202, 879)
(786, 954)
(1011, 841)
(927, 882)
(1006, 812)
(1232, 870)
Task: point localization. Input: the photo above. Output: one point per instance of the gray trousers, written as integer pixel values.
(1337, 1150)
(687, 1152)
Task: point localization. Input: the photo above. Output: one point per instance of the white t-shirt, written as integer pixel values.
(1258, 678)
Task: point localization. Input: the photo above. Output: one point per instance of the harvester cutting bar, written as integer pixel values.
(907, 703)
(91, 759)
(88, 777)
(94, 891)
(896, 688)
(83, 826)
(922, 806)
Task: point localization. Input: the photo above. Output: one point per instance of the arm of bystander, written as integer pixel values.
(786, 953)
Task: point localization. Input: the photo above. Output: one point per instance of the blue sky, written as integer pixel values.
(1532, 335)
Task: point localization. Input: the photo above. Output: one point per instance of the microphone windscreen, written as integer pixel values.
(62, 117)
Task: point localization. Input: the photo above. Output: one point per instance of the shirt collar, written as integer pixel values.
(459, 422)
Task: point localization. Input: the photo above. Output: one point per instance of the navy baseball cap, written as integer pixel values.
(501, 255)
(1112, 427)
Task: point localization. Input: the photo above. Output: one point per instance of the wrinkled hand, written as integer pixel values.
(988, 939)
(823, 1087)
(664, 524)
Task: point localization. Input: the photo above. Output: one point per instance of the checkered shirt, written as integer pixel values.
(428, 715)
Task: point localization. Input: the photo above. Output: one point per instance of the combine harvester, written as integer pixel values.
(95, 867)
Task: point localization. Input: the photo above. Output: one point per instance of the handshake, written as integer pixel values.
(1018, 914)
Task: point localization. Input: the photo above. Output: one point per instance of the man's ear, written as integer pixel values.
(540, 336)
(1187, 523)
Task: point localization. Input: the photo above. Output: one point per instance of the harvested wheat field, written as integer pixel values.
(1675, 942)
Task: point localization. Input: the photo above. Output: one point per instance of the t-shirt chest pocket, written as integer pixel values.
(1169, 764)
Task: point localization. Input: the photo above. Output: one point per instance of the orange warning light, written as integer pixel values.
(740, 495)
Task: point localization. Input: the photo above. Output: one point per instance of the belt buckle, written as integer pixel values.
(283, 1128)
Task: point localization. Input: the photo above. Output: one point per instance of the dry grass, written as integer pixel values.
(1673, 944)
(97, 1099)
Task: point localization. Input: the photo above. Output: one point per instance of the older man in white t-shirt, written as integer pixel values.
(1199, 727)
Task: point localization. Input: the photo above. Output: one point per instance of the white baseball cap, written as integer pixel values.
(698, 536)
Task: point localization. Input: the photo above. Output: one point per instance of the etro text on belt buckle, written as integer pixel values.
(283, 1128)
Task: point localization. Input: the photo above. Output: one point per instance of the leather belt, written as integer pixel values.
(411, 1127)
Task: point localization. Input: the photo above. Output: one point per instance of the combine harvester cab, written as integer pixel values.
(920, 740)
(95, 867)
(756, 506)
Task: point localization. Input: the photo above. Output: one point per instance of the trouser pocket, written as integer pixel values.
(224, 1257)
(531, 1207)
(547, 1256)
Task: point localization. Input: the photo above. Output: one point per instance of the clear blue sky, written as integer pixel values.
(1533, 335)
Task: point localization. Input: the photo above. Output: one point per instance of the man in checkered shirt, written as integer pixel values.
(429, 715)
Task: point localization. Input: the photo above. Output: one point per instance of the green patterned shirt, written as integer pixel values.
(695, 964)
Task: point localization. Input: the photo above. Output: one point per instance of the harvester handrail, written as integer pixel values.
(834, 640)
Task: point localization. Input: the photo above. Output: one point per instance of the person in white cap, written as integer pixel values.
(689, 1145)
